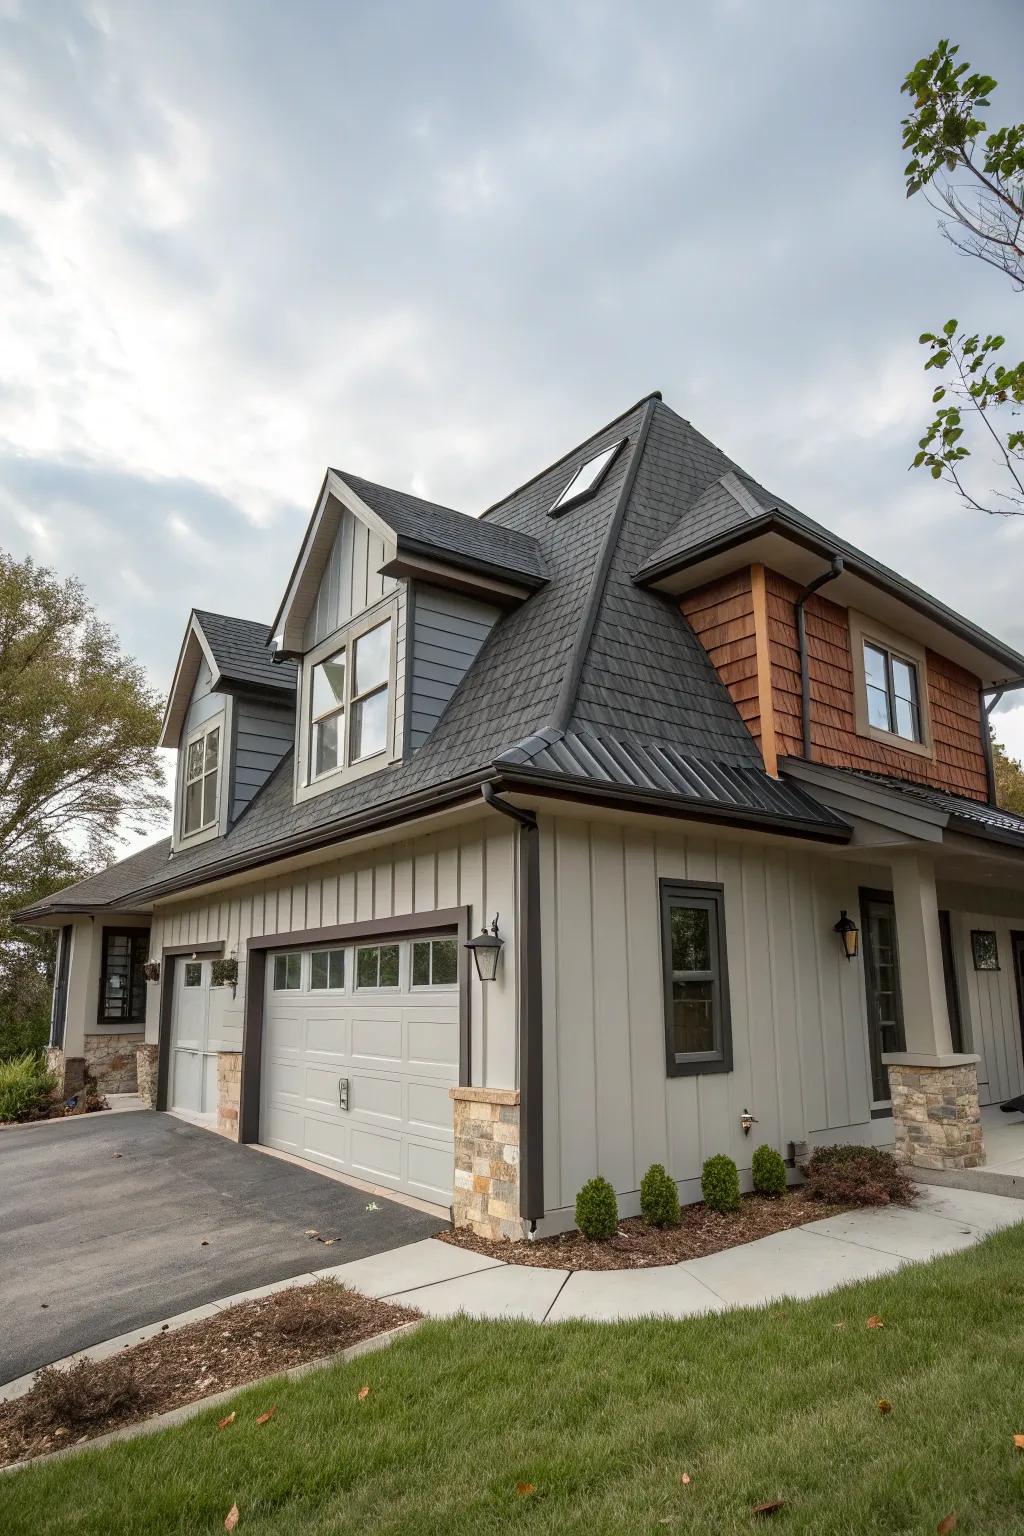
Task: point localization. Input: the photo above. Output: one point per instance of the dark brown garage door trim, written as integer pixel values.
(168, 955)
(446, 919)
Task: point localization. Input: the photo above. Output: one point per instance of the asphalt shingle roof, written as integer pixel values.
(467, 539)
(645, 691)
(240, 650)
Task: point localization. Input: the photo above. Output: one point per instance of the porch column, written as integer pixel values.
(936, 1112)
(67, 1061)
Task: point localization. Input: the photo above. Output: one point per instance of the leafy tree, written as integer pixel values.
(79, 725)
(976, 182)
(1009, 779)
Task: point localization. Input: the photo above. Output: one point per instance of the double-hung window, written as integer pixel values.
(202, 781)
(349, 703)
(698, 1033)
(894, 695)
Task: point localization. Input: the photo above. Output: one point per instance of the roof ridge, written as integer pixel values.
(232, 618)
(565, 702)
(348, 476)
(655, 395)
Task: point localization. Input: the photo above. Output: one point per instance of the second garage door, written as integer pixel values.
(360, 1047)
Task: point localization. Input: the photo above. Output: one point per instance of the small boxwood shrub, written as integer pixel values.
(597, 1210)
(659, 1198)
(850, 1175)
(720, 1184)
(26, 1087)
(768, 1171)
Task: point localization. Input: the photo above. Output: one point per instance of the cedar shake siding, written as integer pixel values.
(730, 622)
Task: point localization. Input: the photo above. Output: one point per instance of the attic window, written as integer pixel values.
(587, 480)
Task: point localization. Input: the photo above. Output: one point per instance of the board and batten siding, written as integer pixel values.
(447, 631)
(264, 734)
(351, 581)
(799, 1040)
(471, 865)
(989, 1008)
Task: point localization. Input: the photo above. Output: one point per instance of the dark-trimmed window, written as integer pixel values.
(894, 695)
(698, 1031)
(122, 979)
(984, 949)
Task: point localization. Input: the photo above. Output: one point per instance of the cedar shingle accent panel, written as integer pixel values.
(959, 762)
(721, 615)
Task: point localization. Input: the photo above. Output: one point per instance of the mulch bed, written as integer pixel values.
(638, 1246)
(239, 1345)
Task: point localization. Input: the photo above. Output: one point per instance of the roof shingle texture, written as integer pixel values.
(242, 655)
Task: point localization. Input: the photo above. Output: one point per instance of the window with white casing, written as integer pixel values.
(350, 702)
(200, 796)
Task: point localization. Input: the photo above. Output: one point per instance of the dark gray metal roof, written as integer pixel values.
(735, 506)
(240, 649)
(467, 540)
(646, 692)
(966, 815)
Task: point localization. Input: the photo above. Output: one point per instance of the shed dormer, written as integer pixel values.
(231, 717)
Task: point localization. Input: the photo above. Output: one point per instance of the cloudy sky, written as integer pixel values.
(437, 244)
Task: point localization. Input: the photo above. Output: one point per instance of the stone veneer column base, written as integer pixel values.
(486, 1197)
(936, 1114)
(110, 1061)
(68, 1070)
(229, 1092)
(146, 1060)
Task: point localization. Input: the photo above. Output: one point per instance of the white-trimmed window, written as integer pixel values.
(435, 962)
(350, 694)
(377, 966)
(288, 972)
(327, 970)
(200, 789)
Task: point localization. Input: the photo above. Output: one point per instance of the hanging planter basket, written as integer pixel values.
(151, 970)
(224, 973)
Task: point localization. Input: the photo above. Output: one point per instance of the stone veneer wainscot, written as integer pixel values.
(486, 1197)
(229, 1092)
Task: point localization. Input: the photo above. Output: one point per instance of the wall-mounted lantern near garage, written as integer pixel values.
(486, 948)
(848, 933)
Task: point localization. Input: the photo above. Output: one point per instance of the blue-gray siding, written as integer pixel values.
(263, 734)
(447, 631)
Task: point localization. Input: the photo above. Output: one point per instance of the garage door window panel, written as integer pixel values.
(435, 963)
(377, 967)
(287, 973)
(327, 970)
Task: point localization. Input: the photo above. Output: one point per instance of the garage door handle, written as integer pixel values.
(343, 1093)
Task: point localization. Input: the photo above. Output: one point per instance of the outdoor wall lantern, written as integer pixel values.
(849, 934)
(486, 948)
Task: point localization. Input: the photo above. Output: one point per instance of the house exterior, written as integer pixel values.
(721, 781)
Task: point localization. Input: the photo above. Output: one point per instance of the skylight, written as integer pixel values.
(587, 478)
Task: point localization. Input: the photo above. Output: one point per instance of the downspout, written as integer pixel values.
(834, 570)
(987, 710)
(531, 1022)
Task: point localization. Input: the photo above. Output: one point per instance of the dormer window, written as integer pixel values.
(586, 481)
(893, 694)
(350, 700)
(201, 799)
(890, 686)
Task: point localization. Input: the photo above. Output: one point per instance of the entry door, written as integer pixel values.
(882, 982)
(191, 1088)
(1017, 945)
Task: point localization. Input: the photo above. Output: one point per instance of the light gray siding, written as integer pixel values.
(447, 631)
(203, 704)
(351, 579)
(264, 733)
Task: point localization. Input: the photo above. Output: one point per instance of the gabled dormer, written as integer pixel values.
(231, 717)
(389, 602)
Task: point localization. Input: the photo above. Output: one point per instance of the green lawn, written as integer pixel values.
(603, 1421)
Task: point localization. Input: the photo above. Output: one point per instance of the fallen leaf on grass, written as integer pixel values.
(525, 1489)
(946, 1525)
(1018, 1441)
(225, 1422)
(875, 1322)
(364, 1393)
(884, 1406)
(840, 1327)
(769, 1507)
(685, 1479)
(265, 1418)
(231, 1518)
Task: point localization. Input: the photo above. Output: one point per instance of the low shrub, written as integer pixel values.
(850, 1175)
(659, 1198)
(768, 1171)
(77, 1397)
(720, 1184)
(597, 1210)
(26, 1087)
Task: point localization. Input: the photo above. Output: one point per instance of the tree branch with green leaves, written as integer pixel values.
(976, 179)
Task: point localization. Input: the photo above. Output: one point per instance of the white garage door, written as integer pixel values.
(360, 1047)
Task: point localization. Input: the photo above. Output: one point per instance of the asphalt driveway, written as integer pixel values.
(111, 1222)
